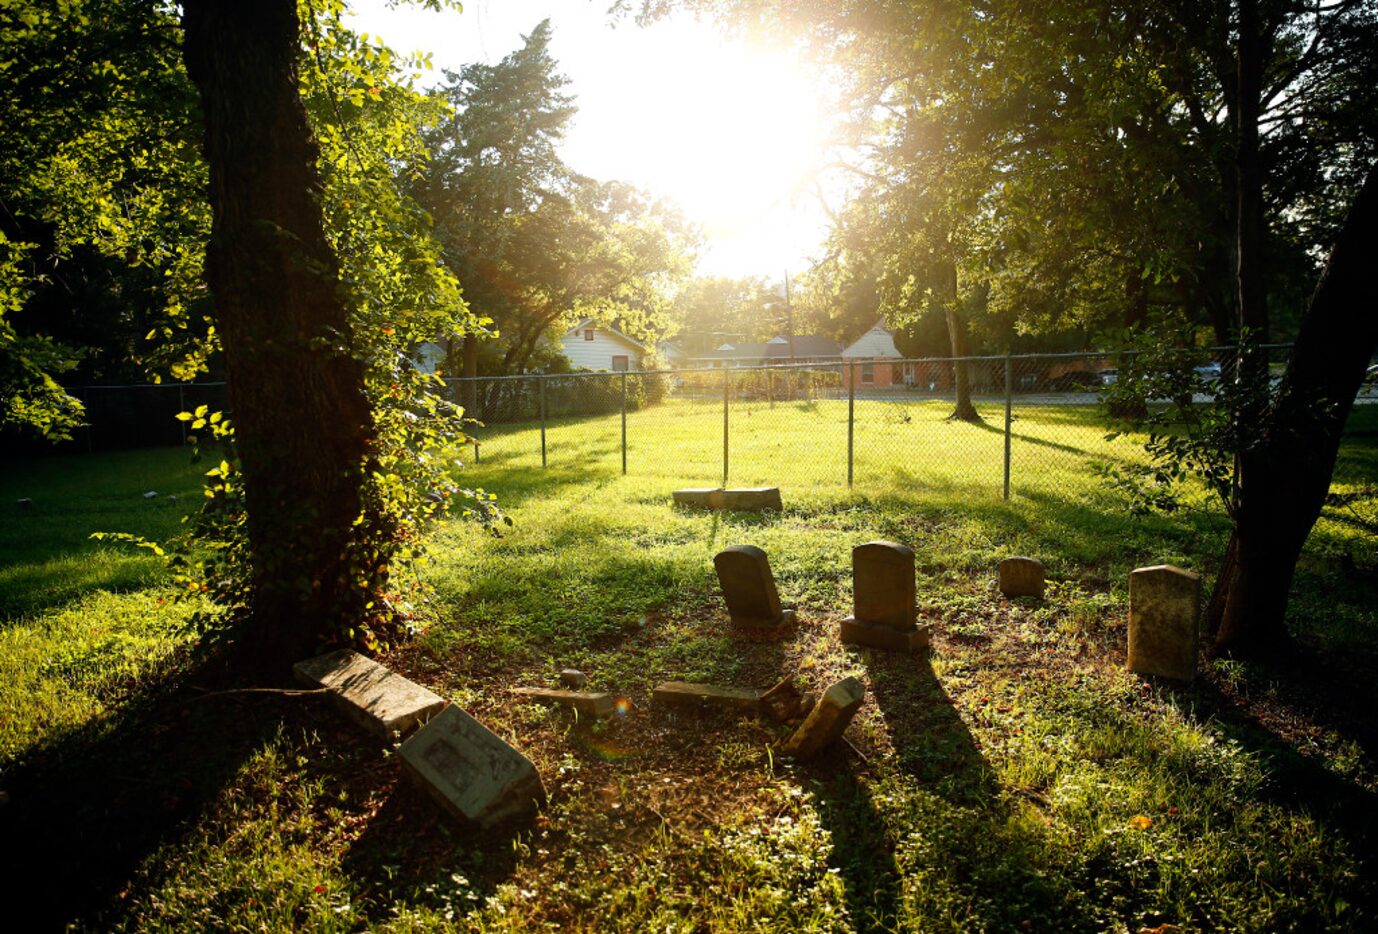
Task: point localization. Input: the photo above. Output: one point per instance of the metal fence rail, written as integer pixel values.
(1038, 423)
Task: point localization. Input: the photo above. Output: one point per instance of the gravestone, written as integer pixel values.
(382, 700)
(572, 678)
(883, 595)
(785, 702)
(1164, 612)
(699, 497)
(748, 587)
(470, 771)
(700, 696)
(746, 499)
(588, 704)
(1022, 577)
(827, 721)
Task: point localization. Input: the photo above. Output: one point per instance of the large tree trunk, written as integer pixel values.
(957, 337)
(1281, 494)
(303, 426)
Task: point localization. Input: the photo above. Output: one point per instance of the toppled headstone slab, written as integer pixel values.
(470, 771)
(827, 721)
(382, 700)
(684, 695)
(748, 587)
(1164, 610)
(785, 702)
(588, 704)
(1022, 577)
(572, 678)
(746, 499)
(883, 591)
(699, 497)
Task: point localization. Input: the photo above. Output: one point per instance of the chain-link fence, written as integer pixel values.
(1004, 425)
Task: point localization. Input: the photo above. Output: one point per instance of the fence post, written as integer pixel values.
(1009, 400)
(726, 389)
(624, 423)
(540, 396)
(851, 419)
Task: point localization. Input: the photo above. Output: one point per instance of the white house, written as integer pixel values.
(872, 353)
(428, 356)
(591, 346)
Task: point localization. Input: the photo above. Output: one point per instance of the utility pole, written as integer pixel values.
(789, 317)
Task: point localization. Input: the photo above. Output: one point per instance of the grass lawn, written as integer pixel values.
(1016, 778)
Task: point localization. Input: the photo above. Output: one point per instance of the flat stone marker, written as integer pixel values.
(1164, 610)
(572, 678)
(746, 499)
(702, 696)
(382, 700)
(827, 721)
(753, 603)
(883, 594)
(700, 497)
(1022, 577)
(588, 704)
(785, 702)
(470, 771)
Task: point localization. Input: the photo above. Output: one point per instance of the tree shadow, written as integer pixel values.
(86, 811)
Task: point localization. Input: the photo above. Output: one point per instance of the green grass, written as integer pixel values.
(1016, 779)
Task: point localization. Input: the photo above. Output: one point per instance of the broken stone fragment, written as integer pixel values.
(382, 700)
(827, 721)
(470, 771)
(784, 701)
(702, 696)
(590, 705)
(1022, 577)
(573, 679)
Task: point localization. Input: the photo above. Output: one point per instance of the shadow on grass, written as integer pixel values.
(863, 852)
(86, 811)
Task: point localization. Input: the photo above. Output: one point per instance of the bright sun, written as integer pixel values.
(730, 130)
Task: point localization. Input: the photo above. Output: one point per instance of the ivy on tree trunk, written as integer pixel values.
(303, 424)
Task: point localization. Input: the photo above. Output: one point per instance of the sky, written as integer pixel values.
(730, 130)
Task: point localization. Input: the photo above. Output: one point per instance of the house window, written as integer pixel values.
(588, 334)
(868, 372)
(619, 364)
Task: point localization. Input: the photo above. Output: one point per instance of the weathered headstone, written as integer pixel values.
(753, 499)
(25, 504)
(753, 603)
(883, 594)
(382, 700)
(572, 678)
(588, 704)
(1022, 577)
(827, 721)
(470, 771)
(1164, 611)
(700, 696)
(747, 499)
(700, 497)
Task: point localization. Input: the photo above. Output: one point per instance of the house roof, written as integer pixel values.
(877, 342)
(806, 346)
(589, 322)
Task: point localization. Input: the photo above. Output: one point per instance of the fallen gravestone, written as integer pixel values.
(688, 696)
(748, 587)
(1022, 577)
(382, 700)
(827, 721)
(470, 771)
(588, 704)
(748, 499)
(572, 678)
(883, 593)
(1164, 604)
